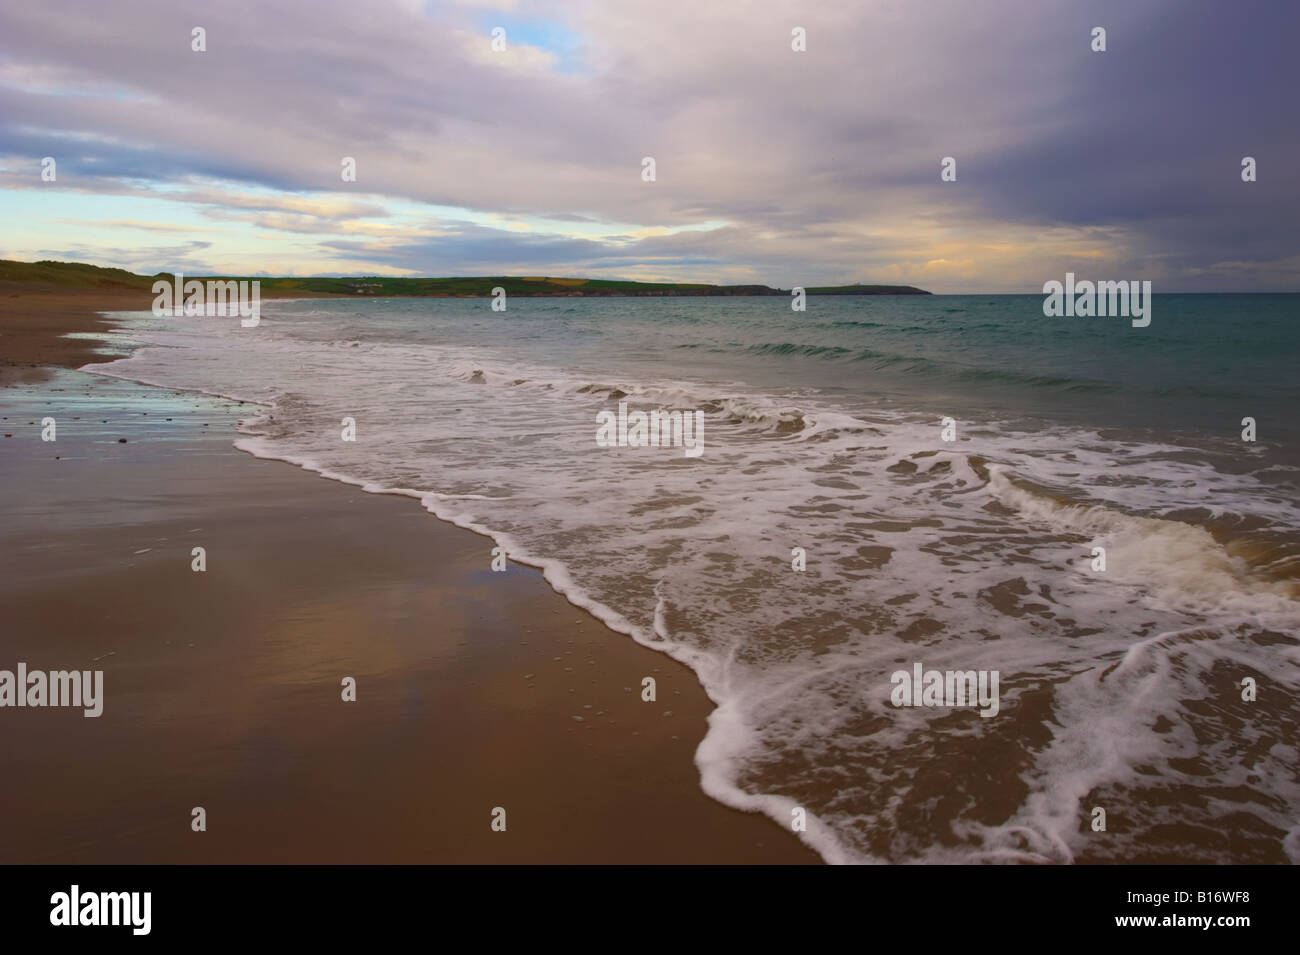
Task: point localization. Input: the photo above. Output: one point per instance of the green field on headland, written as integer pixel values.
(78, 275)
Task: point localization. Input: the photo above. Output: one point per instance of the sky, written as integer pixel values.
(772, 165)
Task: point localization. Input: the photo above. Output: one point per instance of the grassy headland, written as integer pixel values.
(79, 275)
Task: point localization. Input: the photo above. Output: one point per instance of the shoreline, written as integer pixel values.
(222, 687)
(34, 318)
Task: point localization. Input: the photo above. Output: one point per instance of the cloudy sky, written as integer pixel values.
(773, 166)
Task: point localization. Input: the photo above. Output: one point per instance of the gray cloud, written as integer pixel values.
(823, 164)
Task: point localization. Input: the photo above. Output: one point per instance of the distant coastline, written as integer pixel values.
(79, 275)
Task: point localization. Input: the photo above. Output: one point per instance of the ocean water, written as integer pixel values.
(1119, 689)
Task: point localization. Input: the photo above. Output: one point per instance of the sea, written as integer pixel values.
(1106, 517)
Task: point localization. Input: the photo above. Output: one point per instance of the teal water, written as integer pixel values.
(1204, 362)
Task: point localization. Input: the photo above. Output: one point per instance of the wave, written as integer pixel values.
(1181, 565)
(794, 348)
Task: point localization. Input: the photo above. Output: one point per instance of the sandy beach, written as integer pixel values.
(475, 689)
(35, 320)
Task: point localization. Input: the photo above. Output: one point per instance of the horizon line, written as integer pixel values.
(342, 275)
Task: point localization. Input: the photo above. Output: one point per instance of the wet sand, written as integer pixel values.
(34, 319)
(475, 689)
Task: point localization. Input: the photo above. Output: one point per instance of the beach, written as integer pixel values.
(36, 318)
(222, 687)
(238, 525)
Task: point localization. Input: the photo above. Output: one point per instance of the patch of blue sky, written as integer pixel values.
(38, 218)
(548, 34)
(49, 217)
(590, 227)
